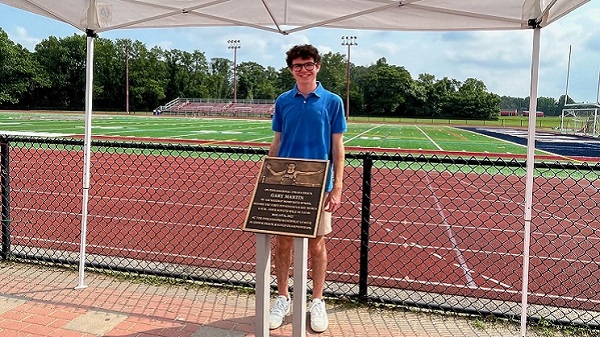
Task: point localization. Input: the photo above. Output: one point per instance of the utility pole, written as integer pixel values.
(348, 41)
(234, 44)
(127, 79)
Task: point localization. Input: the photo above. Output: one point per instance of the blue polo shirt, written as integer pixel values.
(306, 124)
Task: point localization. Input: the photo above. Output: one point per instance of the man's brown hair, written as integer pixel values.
(305, 51)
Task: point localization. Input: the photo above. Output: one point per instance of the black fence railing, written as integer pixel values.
(429, 232)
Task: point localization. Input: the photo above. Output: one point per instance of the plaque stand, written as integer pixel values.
(287, 200)
(300, 269)
(263, 281)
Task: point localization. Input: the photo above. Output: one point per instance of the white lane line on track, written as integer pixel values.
(459, 256)
(496, 281)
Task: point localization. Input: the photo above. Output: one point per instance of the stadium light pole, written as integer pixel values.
(348, 41)
(234, 44)
(127, 78)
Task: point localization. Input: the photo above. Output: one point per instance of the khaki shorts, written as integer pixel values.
(324, 226)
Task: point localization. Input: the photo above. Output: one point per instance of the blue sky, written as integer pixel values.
(501, 59)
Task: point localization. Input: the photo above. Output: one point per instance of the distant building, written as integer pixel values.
(538, 114)
(508, 112)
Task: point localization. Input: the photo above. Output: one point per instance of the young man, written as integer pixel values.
(308, 123)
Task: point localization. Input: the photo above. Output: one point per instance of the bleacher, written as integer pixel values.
(195, 107)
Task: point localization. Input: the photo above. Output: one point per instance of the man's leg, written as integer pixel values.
(283, 261)
(318, 255)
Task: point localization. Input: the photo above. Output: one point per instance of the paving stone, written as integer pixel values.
(96, 322)
(8, 303)
(208, 331)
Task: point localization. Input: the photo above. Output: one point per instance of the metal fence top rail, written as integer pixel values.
(390, 157)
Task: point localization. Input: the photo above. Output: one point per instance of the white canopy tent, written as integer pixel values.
(289, 16)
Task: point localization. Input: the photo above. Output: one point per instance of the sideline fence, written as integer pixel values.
(428, 232)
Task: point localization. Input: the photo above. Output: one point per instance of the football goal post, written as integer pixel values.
(581, 119)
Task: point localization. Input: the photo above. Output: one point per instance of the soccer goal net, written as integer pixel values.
(581, 120)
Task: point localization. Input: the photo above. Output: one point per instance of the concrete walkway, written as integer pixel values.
(42, 301)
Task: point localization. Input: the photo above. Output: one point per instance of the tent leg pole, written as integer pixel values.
(529, 177)
(89, 80)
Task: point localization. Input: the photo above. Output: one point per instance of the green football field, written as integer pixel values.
(360, 134)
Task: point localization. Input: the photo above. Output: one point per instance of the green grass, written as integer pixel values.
(425, 137)
(552, 122)
(361, 134)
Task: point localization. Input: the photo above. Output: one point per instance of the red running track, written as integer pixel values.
(440, 232)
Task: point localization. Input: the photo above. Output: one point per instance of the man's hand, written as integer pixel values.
(333, 200)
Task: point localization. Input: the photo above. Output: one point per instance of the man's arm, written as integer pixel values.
(274, 148)
(338, 157)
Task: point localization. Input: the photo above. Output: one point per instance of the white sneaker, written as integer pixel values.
(279, 310)
(318, 316)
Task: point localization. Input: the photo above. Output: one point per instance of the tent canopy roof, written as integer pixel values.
(288, 16)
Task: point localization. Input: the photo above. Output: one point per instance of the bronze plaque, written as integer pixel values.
(288, 197)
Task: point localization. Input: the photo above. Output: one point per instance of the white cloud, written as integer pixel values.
(501, 59)
(164, 44)
(22, 37)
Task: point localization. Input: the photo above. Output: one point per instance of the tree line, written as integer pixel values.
(53, 77)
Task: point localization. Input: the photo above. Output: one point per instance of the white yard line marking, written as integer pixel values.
(360, 134)
(35, 134)
(269, 138)
(431, 140)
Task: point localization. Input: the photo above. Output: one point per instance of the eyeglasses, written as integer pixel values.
(308, 66)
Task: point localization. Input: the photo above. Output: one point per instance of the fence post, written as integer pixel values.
(365, 228)
(4, 181)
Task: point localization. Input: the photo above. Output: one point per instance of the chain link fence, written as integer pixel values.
(427, 232)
